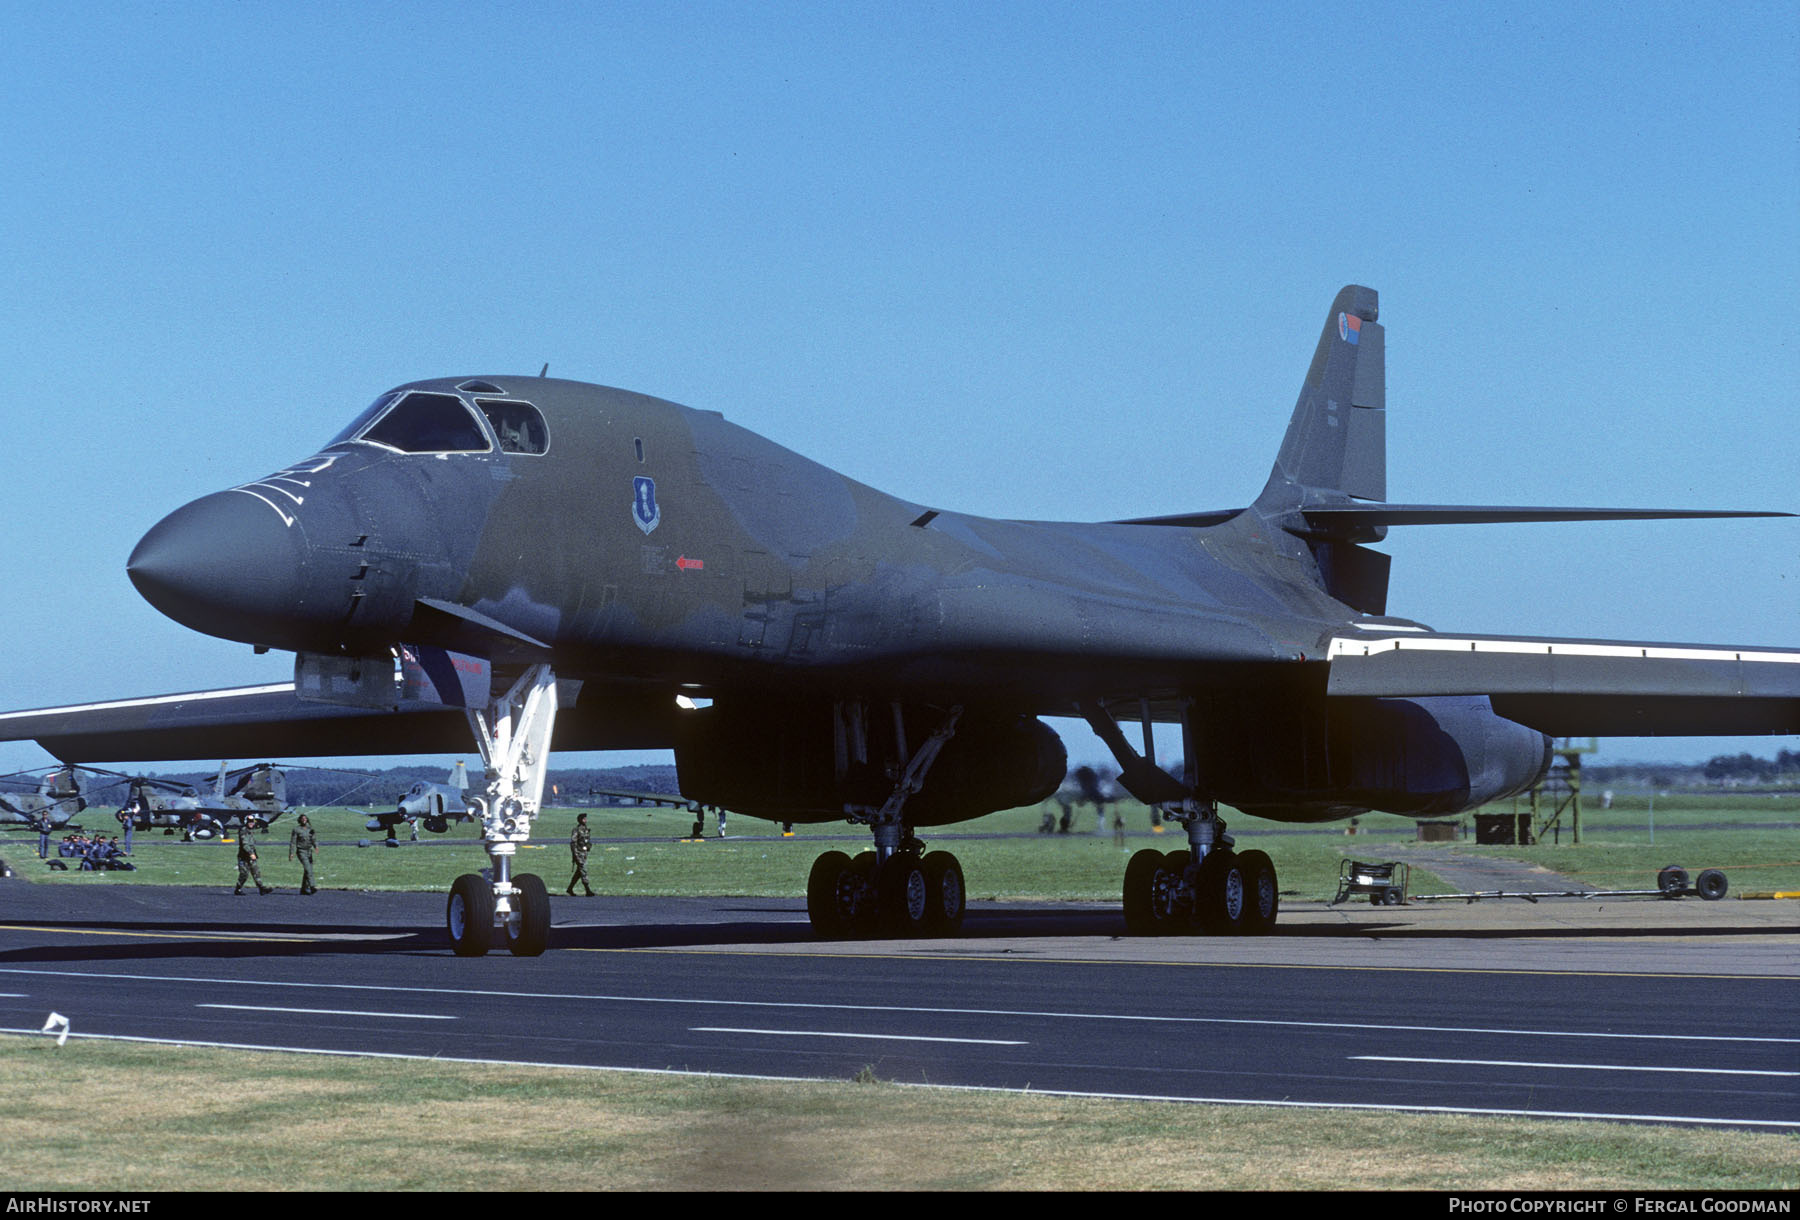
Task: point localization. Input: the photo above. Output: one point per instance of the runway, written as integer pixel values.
(1677, 1012)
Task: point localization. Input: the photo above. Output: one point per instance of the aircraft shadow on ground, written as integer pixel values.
(217, 940)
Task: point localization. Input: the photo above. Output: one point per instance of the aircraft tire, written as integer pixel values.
(1672, 881)
(1221, 898)
(1711, 884)
(1174, 893)
(1149, 889)
(905, 896)
(949, 897)
(469, 915)
(528, 931)
(1138, 871)
(861, 895)
(1263, 890)
(824, 884)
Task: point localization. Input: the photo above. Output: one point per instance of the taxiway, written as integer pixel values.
(1630, 1010)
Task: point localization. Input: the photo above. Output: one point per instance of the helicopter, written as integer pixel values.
(258, 791)
(60, 796)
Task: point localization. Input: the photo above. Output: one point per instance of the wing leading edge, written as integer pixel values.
(247, 721)
(1573, 687)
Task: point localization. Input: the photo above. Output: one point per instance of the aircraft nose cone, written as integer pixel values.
(226, 564)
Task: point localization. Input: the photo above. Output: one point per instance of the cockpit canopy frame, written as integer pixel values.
(440, 422)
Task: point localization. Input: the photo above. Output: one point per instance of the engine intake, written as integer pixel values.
(790, 763)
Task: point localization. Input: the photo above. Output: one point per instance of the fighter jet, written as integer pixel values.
(259, 792)
(433, 805)
(545, 563)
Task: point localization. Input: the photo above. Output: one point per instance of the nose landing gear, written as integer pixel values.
(513, 735)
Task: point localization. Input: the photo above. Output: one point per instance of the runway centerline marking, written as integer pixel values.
(832, 1033)
(902, 955)
(1574, 1067)
(1146, 1018)
(334, 1012)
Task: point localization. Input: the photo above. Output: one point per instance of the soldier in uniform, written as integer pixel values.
(247, 868)
(579, 844)
(304, 843)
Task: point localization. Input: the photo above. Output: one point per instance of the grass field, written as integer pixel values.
(642, 853)
(119, 1116)
(1750, 837)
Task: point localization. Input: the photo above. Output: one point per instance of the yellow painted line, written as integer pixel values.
(228, 936)
(1023, 959)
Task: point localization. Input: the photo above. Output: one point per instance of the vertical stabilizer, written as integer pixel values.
(1337, 439)
(1335, 451)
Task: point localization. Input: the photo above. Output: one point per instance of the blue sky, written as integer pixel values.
(1019, 259)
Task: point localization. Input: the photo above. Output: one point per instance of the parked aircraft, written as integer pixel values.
(433, 805)
(59, 796)
(548, 563)
(259, 791)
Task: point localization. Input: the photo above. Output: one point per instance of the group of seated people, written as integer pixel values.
(95, 852)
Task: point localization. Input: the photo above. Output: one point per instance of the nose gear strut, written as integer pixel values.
(513, 735)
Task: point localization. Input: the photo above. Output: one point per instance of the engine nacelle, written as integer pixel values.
(791, 763)
(1424, 757)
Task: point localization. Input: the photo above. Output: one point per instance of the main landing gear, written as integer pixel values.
(910, 894)
(513, 735)
(1210, 888)
(1225, 894)
(898, 889)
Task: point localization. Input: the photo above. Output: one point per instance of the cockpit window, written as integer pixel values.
(362, 421)
(518, 425)
(428, 423)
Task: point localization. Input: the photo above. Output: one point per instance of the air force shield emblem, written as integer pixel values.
(643, 503)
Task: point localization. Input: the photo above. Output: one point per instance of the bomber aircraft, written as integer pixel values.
(552, 564)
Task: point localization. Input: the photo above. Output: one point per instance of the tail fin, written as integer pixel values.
(1329, 484)
(1337, 439)
(1335, 451)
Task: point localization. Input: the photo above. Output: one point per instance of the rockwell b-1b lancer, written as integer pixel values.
(552, 564)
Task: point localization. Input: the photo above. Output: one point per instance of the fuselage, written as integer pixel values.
(653, 539)
(632, 541)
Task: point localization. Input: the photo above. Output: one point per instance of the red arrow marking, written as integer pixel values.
(685, 564)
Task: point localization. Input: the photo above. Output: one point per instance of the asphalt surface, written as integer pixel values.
(1645, 1010)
